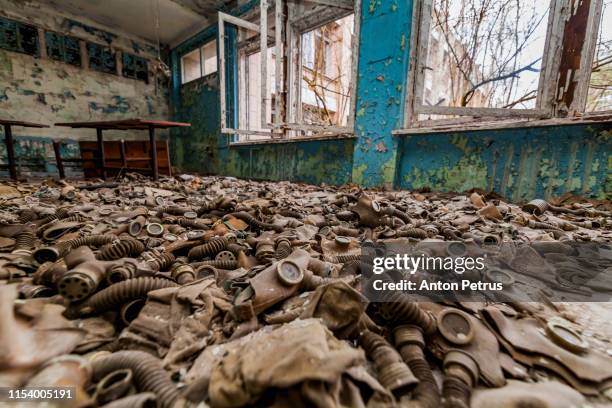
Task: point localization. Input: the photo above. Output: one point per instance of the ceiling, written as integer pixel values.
(178, 19)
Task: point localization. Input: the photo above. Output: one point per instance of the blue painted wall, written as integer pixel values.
(203, 149)
(383, 63)
(518, 163)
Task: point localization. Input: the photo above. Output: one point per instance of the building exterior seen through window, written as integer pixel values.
(325, 82)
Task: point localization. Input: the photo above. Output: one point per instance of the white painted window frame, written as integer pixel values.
(413, 107)
(280, 126)
(294, 53)
(224, 18)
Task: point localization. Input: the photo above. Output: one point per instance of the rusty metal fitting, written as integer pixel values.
(410, 342)
(130, 310)
(346, 231)
(159, 261)
(456, 249)
(408, 334)
(392, 372)
(312, 281)
(319, 267)
(455, 326)
(24, 241)
(127, 269)
(211, 248)
(204, 271)
(114, 386)
(34, 291)
(264, 251)
(396, 308)
(121, 249)
(289, 272)
(460, 377)
(567, 337)
(49, 273)
(190, 215)
(155, 229)
(84, 274)
(283, 248)
(342, 241)
(537, 206)
(225, 256)
(136, 225)
(496, 275)
(183, 273)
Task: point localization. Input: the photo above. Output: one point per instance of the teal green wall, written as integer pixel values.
(517, 163)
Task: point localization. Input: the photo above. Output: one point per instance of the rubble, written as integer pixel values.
(230, 293)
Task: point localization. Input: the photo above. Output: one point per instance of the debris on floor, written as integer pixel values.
(214, 291)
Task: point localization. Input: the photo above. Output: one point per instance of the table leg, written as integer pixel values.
(153, 148)
(123, 154)
(10, 151)
(101, 159)
(58, 159)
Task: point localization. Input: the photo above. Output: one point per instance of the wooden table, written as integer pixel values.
(10, 145)
(126, 124)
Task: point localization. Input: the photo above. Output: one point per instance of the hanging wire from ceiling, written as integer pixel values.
(160, 65)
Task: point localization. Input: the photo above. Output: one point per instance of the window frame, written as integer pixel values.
(137, 59)
(200, 52)
(295, 52)
(413, 105)
(244, 53)
(284, 123)
(63, 48)
(104, 48)
(586, 59)
(19, 40)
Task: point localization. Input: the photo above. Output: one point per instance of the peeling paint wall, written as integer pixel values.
(195, 149)
(315, 162)
(47, 91)
(204, 149)
(519, 164)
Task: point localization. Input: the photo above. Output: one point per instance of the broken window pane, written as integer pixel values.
(63, 48)
(326, 73)
(135, 67)
(600, 87)
(102, 58)
(485, 53)
(19, 37)
(191, 66)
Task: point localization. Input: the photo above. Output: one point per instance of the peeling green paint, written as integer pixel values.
(47, 91)
(533, 162)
